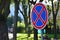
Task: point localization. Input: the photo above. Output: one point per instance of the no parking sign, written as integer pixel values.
(39, 16)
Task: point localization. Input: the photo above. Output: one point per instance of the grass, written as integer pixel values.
(25, 36)
(52, 35)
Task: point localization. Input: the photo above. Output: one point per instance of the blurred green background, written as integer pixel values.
(15, 23)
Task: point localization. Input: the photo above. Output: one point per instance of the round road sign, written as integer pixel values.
(39, 16)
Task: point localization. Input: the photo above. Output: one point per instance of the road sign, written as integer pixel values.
(39, 16)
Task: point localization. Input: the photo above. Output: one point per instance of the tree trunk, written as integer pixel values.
(3, 19)
(54, 22)
(26, 24)
(15, 19)
(3, 29)
(25, 15)
(47, 30)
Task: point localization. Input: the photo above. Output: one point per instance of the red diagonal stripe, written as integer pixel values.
(40, 16)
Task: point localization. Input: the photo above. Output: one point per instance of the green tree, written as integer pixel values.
(11, 19)
(54, 18)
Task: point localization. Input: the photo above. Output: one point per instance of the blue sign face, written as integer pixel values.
(39, 16)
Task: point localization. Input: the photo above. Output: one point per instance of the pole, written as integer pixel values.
(35, 34)
(42, 34)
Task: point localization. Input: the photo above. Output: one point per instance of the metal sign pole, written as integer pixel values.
(42, 35)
